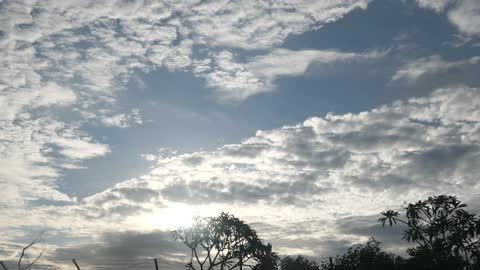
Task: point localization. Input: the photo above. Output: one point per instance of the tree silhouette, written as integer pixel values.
(226, 242)
(367, 256)
(448, 237)
(266, 259)
(299, 263)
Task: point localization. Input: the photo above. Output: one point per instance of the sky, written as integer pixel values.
(122, 120)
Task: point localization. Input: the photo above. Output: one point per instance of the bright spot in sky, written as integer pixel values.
(174, 216)
(177, 215)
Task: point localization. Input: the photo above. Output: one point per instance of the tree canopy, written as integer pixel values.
(447, 236)
(290, 263)
(444, 234)
(225, 242)
(366, 256)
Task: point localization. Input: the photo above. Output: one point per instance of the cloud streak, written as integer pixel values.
(430, 65)
(235, 80)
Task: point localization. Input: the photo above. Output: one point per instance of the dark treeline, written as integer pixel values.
(444, 236)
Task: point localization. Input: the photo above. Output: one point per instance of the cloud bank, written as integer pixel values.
(325, 168)
(300, 186)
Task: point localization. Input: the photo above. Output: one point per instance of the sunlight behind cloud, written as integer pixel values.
(174, 216)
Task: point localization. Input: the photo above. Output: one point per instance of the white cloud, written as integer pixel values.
(464, 14)
(237, 81)
(412, 71)
(53, 94)
(259, 24)
(123, 120)
(29, 150)
(407, 149)
(338, 166)
(98, 44)
(77, 148)
(283, 62)
(437, 5)
(230, 78)
(82, 53)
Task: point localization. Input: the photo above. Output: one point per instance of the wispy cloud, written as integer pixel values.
(235, 80)
(434, 64)
(123, 120)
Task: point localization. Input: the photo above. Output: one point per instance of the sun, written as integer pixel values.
(176, 215)
(173, 216)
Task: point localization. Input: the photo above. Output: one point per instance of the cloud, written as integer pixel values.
(433, 4)
(464, 14)
(418, 147)
(230, 78)
(326, 168)
(283, 193)
(83, 54)
(430, 65)
(263, 25)
(336, 169)
(466, 17)
(31, 153)
(122, 249)
(125, 199)
(301, 186)
(96, 46)
(366, 226)
(126, 245)
(123, 120)
(235, 80)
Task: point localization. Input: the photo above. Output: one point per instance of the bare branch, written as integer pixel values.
(39, 240)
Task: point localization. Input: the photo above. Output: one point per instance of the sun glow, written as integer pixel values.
(174, 216)
(177, 215)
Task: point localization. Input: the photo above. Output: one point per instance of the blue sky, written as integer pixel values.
(134, 116)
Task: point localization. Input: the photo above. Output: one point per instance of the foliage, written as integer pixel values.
(266, 259)
(226, 242)
(367, 256)
(299, 263)
(447, 236)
